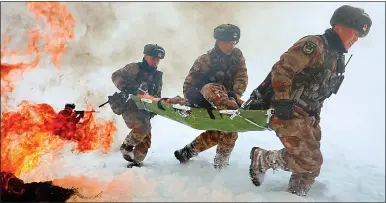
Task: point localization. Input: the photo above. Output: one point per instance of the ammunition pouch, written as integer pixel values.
(284, 109)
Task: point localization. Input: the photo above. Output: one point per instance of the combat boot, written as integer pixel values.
(262, 160)
(127, 152)
(300, 183)
(128, 155)
(185, 154)
(221, 161)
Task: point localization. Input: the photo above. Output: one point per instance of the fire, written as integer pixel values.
(29, 133)
(61, 24)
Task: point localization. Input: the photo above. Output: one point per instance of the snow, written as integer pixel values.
(352, 121)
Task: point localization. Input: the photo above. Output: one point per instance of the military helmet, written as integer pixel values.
(154, 50)
(227, 33)
(352, 17)
(70, 105)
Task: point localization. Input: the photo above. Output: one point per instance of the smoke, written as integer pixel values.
(112, 34)
(109, 35)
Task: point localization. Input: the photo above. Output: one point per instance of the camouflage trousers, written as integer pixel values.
(138, 141)
(301, 139)
(225, 141)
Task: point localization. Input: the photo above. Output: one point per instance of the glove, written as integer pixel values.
(194, 97)
(315, 118)
(284, 109)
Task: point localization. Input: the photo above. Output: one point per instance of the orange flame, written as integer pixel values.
(28, 134)
(61, 24)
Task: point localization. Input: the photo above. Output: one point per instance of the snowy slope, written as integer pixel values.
(112, 34)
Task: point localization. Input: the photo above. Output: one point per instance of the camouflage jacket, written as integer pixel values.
(229, 71)
(134, 75)
(308, 73)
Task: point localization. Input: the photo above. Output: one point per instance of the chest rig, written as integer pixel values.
(148, 81)
(315, 84)
(222, 70)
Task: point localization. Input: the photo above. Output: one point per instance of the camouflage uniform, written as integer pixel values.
(216, 76)
(137, 78)
(307, 74)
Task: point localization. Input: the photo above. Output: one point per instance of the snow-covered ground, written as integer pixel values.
(109, 35)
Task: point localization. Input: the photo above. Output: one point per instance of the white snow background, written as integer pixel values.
(111, 34)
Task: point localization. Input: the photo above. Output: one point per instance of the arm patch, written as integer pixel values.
(309, 47)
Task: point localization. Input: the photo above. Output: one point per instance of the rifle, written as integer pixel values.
(92, 111)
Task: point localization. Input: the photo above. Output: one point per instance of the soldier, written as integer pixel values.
(66, 120)
(217, 78)
(307, 74)
(138, 78)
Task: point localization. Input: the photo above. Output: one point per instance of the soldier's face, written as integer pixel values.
(226, 47)
(348, 35)
(152, 61)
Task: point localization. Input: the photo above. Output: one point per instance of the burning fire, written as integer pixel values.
(61, 24)
(28, 133)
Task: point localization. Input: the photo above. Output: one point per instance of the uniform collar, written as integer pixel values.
(334, 41)
(145, 66)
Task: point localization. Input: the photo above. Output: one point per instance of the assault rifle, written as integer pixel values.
(92, 111)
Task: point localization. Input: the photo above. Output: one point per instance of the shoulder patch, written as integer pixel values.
(309, 47)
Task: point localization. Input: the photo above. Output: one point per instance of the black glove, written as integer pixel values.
(315, 115)
(284, 109)
(194, 97)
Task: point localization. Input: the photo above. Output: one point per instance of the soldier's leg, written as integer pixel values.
(140, 152)
(141, 149)
(203, 142)
(301, 154)
(301, 182)
(217, 95)
(224, 149)
(139, 122)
